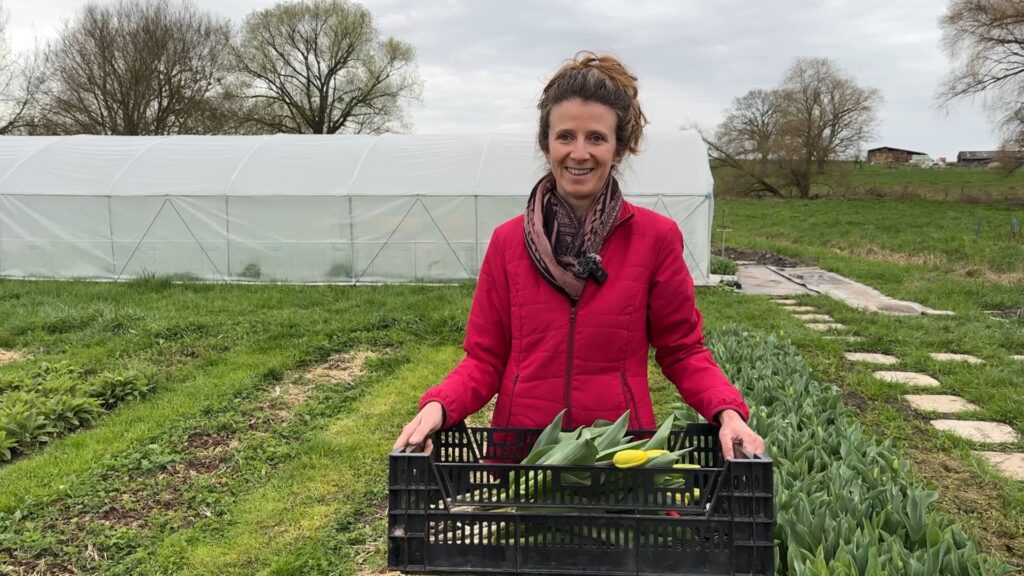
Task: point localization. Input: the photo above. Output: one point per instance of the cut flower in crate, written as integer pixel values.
(596, 458)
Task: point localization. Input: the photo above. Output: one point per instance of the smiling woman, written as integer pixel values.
(572, 294)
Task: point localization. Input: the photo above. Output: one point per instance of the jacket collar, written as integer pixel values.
(625, 213)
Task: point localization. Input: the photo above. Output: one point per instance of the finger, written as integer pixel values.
(423, 431)
(757, 445)
(428, 446)
(726, 441)
(403, 438)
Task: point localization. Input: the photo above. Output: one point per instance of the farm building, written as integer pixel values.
(976, 157)
(986, 157)
(889, 155)
(293, 208)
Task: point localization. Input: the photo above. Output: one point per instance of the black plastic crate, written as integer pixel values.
(436, 526)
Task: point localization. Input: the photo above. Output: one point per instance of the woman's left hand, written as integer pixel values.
(735, 431)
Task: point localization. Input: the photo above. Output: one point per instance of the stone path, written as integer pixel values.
(825, 326)
(1011, 464)
(844, 338)
(814, 317)
(977, 431)
(943, 357)
(778, 281)
(7, 356)
(939, 403)
(759, 279)
(908, 378)
(871, 357)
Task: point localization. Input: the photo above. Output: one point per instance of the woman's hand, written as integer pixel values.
(418, 431)
(735, 430)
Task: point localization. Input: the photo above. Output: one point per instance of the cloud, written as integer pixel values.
(484, 62)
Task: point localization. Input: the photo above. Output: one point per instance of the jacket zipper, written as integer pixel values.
(568, 366)
(630, 400)
(511, 398)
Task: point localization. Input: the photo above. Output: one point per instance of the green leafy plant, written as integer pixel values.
(723, 266)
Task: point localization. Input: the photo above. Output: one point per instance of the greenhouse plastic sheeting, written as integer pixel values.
(289, 208)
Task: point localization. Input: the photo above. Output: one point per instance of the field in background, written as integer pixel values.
(952, 183)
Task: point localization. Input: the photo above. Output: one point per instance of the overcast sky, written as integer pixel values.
(483, 62)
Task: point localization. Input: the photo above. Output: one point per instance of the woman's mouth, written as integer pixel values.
(578, 171)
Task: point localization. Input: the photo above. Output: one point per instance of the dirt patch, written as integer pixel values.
(280, 402)
(1008, 314)
(201, 441)
(762, 257)
(38, 567)
(119, 515)
(969, 497)
(341, 368)
(856, 401)
(8, 356)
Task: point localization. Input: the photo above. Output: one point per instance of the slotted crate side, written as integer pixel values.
(583, 544)
(733, 536)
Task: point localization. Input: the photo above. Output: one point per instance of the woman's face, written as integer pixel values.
(581, 149)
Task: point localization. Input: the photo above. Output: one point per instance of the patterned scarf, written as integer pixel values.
(565, 250)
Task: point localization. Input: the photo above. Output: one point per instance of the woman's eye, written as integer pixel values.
(565, 137)
(597, 138)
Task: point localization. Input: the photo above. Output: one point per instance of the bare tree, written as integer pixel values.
(138, 67)
(321, 67)
(751, 125)
(787, 136)
(985, 41)
(20, 79)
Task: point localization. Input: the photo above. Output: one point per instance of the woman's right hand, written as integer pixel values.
(418, 431)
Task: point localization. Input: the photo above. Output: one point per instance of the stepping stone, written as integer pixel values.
(908, 378)
(939, 403)
(799, 308)
(989, 432)
(815, 317)
(845, 338)
(825, 327)
(1009, 463)
(871, 357)
(1017, 357)
(786, 302)
(942, 357)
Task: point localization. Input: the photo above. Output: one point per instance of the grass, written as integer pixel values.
(290, 488)
(951, 183)
(936, 261)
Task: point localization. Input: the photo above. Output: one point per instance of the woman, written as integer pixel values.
(572, 293)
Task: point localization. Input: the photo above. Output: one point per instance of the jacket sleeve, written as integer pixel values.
(475, 380)
(674, 326)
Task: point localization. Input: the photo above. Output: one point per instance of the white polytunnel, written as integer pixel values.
(300, 208)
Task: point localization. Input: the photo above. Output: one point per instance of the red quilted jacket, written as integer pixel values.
(527, 342)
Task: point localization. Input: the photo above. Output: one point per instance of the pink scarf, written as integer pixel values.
(565, 250)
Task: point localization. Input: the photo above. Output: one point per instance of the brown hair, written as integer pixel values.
(602, 79)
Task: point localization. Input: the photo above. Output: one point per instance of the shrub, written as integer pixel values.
(723, 266)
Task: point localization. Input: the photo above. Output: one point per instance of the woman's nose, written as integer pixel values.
(579, 150)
